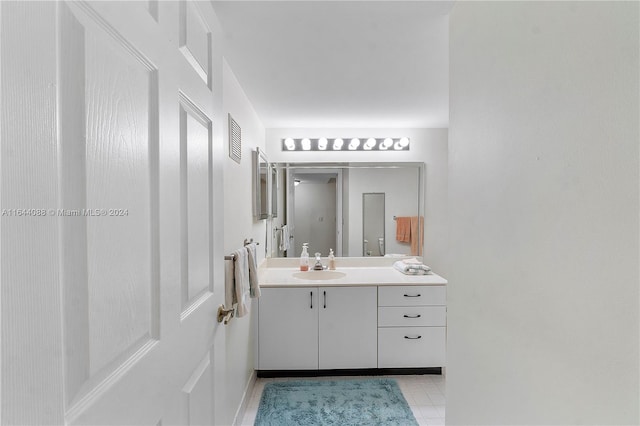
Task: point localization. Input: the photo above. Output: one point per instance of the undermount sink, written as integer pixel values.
(319, 275)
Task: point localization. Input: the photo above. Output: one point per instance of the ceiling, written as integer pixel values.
(338, 64)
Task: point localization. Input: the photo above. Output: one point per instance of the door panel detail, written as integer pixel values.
(195, 40)
(197, 395)
(109, 258)
(195, 175)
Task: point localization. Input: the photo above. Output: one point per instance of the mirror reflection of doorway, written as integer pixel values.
(315, 207)
(373, 243)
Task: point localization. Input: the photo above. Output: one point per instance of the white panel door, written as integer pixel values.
(110, 133)
(347, 327)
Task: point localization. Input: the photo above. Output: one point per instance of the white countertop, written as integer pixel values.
(354, 276)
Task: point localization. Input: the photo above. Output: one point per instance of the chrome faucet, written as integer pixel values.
(318, 266)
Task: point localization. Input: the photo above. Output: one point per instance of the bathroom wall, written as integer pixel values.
(239, 341)
(427, 145)
(396, 184)
(543, 282)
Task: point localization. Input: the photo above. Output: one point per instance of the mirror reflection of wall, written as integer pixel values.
(401, 187)
(264, 200)
(401, 183)
(261, 190)
(279, 218)
(373, 224)
(274, 190)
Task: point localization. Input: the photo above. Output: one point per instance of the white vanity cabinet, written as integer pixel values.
(347, 332)
(305, 328)
(288, 329)
(411, 326)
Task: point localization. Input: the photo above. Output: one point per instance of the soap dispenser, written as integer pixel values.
(332, 260)
(304, 258)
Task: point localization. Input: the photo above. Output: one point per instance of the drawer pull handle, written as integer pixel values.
(311, 294)
(325, 299)
(412, 295)
(413, 316)
(413, 338)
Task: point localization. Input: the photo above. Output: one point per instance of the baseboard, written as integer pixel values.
(349, 372)
(246, 397)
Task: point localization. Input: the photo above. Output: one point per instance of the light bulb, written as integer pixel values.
(397, 146)
(337, 144)
(386, 143)
(322, 144)
(306, 144)
(404, 142)
(370, 143)
(354, 144)
(290, 144)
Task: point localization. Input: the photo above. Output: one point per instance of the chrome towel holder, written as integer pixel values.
(246, 243)
(224, 314)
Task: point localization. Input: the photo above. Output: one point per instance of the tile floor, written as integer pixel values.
(424, 393)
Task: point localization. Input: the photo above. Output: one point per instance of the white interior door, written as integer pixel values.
(110, 131)
(308, 205)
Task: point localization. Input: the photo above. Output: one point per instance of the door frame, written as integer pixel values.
(290, 204)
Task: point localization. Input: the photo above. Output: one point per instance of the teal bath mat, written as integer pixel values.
(339, 402)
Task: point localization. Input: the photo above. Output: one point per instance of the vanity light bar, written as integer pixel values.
(345, 144)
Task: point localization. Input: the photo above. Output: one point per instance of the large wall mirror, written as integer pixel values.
(333, 205)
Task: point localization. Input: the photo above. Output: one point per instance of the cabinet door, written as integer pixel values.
(288, 329)
(348, 327)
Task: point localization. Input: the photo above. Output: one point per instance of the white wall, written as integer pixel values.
(543, 284)
(399, 187)
(239, 339)
(427, 145)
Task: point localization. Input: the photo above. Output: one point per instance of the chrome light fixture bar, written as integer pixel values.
(345, 144)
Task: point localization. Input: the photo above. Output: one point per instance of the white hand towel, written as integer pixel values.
(254, 285)
(411, 268)
(284, 238)
(241, 275)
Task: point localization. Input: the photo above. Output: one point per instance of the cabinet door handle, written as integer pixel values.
(311, 294)
(413, 338)
(412, 295)
(412, 316)
(325, 299)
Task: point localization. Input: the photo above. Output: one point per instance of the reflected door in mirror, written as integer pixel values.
(373, 243)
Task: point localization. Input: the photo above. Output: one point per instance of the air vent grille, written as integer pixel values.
(235, 140)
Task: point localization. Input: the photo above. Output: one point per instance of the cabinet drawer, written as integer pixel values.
(412, 316)
(411, 347)
(412, 295)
